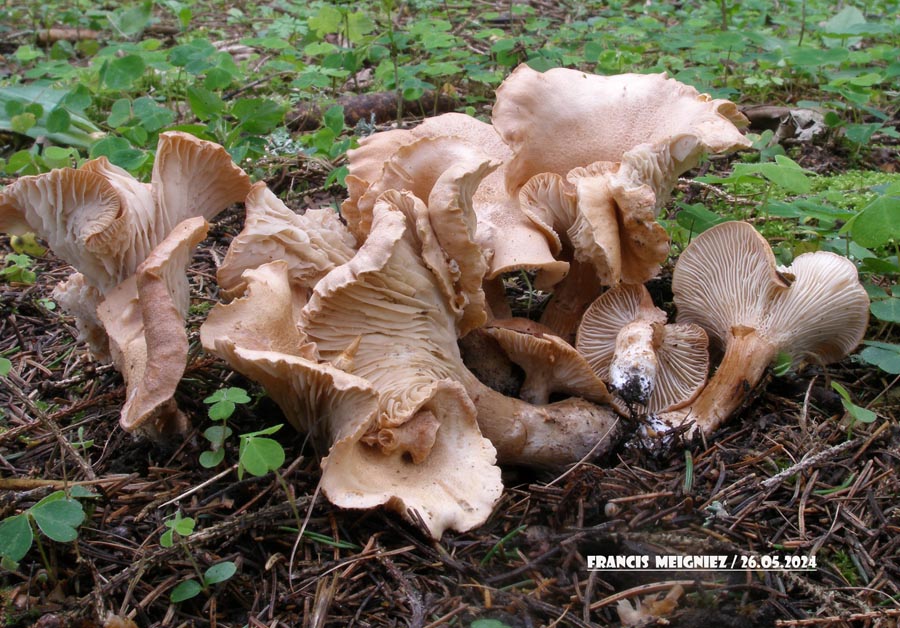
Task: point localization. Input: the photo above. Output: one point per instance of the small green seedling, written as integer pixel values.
(18, 269)
(220, 572)
(5, 367)
(180, 528)
(857, 413)
(222, 406)
(259, 455)
(57, 516)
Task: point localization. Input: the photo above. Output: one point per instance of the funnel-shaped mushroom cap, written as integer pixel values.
(603, 221)
(193, 177)
(79, 213)
(561, 119)
(444, 172)
(411, 160)
(823, 316)
(401, 432)
(606, 317)
(144, 317)
(387, 295)
(311, 244)
(454, 486)
(726, 278)
(104, 222)
(550, 363)
(625, 339)
(683, 358)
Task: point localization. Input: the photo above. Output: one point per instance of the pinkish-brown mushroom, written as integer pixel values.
(594, 160)
(727, 282)
(144, 317)
(649, 363)
(104, 222)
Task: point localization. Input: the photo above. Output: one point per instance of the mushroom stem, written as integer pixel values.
(634, 367)
(747, 355)
(543, 436)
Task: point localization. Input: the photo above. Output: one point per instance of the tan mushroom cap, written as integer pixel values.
(815, 309)
(388, 301)
(606, 317)
(311, 244)
(683, 366)
(444, 173)
(627, 342)
(562, 119)
(550, 363)
(726, 281)
(509, 241)
(104, 222)
(387, 295)
(726, 277)
(620, 142)
(263, 319)
(144, 317)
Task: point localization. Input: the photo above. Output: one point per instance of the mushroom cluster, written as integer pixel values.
(353, 324)
(130, 244)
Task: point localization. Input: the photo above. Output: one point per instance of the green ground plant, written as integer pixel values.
(57, 516)
(178, 529)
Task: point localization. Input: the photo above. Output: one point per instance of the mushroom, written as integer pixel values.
(401, 160)
(599, 183)
(551, 365)
(144, 317)
(402, 323)
(727, 282)
(274, 232)
(104, 222)
(627, 342)
(130, 243)
(409, 339)
(399, 431)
